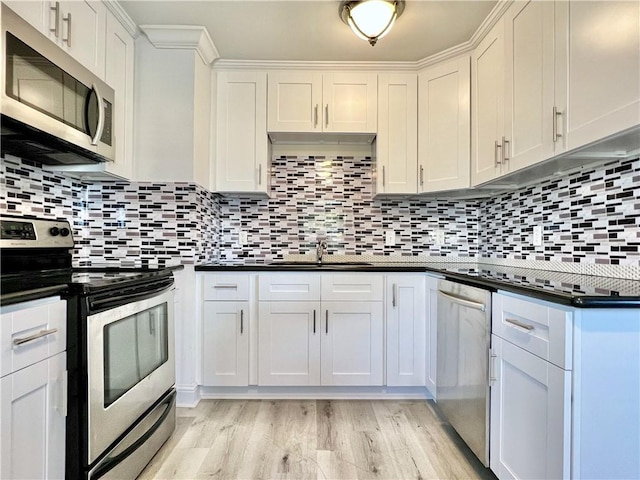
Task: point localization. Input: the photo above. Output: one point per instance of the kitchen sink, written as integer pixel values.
(306, 264)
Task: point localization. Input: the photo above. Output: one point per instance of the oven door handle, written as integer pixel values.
(112, 462)
(104, 304)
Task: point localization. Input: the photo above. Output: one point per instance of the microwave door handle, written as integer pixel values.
(100, 128)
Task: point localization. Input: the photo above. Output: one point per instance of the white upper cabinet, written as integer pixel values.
(119, 65)
(338, 102)
(487, 92)
(242, 150)
(78, 27)
(396, 141)
(597, 69)
(529, 85)
(444, 126)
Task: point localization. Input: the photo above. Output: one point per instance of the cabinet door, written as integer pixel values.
(444, 121)
(431, 357)
(37, 13)
(396, 141)
(487, 93)
(530, 415)
(33, 415)
(529, 84)
(119, 64)
(597, 68)
(289, 343)
(352, 348)
(295, 102)
(225, 349)
(406, 315)
(350, 102)
(82, 33)
(242, 152)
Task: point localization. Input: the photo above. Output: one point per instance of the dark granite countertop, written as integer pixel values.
(585, 291)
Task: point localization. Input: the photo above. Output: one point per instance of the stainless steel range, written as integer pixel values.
(120, 348)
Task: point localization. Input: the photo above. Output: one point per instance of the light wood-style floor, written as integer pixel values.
(313, 439)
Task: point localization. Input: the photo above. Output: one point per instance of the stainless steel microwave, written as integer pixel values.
(54, 110)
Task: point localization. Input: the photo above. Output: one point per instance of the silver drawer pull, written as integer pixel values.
(224, 286)
(35, 336)
(519, 324)
(463, 301)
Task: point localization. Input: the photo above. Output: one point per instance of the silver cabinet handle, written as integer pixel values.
(100, 128)
(505, 157)
(496, 159)
(68, 39)
(314, 321)
(259, 173)
(394, 290)
(463, 301)
(315, 116)
(492, 375)
(383, 176)
(241, 321)
(517, 323)
(222, 286)
(556, 114)
(55, 29)
(42, 333)
(326, 322)
(421, 175)
(326, 115)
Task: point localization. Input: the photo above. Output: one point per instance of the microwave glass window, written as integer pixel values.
(39, 83)
(133, 348)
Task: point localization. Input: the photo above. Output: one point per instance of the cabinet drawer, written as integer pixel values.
(352, 287)
(298, 287)
(226, 287)
(31, 332)
(538, 327)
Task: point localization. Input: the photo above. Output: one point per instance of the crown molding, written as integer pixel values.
(182, 37)
(123, 17)
(225, 64)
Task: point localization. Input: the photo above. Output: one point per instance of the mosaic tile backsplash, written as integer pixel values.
(116, 223)
(315, 197)
(591, 216)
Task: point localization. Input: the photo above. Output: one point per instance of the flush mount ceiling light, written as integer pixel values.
(371, 19)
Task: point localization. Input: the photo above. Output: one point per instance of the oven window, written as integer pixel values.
(133, 348)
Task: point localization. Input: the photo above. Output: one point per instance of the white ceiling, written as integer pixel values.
(310, 30)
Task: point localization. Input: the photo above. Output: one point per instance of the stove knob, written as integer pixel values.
(54, 231)
(64, 231)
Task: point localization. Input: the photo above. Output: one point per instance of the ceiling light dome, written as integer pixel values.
(371, 19)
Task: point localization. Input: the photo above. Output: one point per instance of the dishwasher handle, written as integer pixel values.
(463, 301)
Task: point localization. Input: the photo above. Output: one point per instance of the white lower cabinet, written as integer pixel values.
(306, 338)
(530, 415)
(565, 396)
(225, 330)
(406, 322)
(33, 417)
(351, 346)
(33, 390)
(289, 343)
(431, 341)
(225, 356)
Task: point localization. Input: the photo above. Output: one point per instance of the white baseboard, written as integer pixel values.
(188, 396)
(316, 393)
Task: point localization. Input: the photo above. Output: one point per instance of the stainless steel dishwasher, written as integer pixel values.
(462, 372)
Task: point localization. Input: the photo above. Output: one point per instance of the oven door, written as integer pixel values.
(131, 364)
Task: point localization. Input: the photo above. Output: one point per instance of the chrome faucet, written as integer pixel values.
(321, 248)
